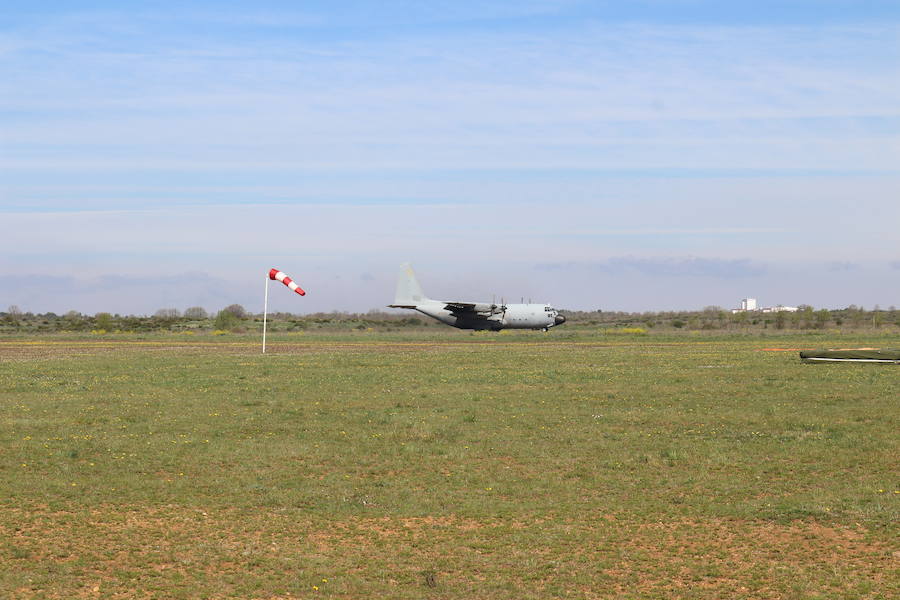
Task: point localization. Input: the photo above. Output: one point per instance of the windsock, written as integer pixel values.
(280, 276)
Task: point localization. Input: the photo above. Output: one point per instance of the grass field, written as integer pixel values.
(446, 465)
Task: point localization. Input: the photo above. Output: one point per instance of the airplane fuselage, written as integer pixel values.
(494, 318)
(473, 315)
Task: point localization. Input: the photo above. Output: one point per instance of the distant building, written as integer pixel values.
(779, 308)
(750, 305)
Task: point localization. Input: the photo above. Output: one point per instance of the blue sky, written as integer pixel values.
(617, 155)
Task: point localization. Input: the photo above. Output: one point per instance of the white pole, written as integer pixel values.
(265, 312)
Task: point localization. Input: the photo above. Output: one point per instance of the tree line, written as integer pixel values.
(235, 318)
(717, 318)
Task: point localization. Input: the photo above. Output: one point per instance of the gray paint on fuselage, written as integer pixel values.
(473, 315)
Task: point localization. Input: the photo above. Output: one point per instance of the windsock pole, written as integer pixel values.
(265, 312)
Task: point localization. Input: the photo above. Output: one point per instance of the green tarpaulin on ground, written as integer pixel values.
(882, 355)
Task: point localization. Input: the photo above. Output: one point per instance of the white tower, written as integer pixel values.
(748, 304)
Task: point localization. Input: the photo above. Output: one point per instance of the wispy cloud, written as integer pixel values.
(350, 138)
(584, 95)
(666, 267)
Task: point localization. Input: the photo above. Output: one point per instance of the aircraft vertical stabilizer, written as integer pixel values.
(409, 292)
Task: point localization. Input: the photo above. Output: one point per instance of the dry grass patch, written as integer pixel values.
(177, 551)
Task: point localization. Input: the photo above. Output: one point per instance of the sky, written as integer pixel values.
(645, 155)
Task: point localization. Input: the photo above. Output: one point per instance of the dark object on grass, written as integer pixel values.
(867, 355)
(430, 580)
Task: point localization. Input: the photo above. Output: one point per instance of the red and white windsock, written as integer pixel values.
(280, 276)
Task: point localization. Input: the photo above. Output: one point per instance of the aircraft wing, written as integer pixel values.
(459, 307)
(480, 308)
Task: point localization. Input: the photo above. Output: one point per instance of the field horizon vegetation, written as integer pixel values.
(603, 459)
(235, 318)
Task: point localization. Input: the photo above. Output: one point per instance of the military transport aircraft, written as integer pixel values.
(473, 315)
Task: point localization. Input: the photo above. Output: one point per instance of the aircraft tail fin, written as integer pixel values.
(409, 292)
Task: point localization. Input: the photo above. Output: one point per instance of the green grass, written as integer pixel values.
(446, 464)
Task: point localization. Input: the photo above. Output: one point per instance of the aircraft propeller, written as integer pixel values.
(495, 306)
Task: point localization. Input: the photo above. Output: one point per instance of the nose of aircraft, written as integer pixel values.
(559, 320)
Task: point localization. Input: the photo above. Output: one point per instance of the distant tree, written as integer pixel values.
(13, 314)
(823, 315)
(237, 310)
(808, 316)
(195, 312)
(73, 319)
(780, 319)
(678, 323)
(856, 314)
(226, 320)
(167, 313)
(103, 321)
(877, 316)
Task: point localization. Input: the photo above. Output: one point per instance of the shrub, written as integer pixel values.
(226, 320)
(634, 330)
(103, 321)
